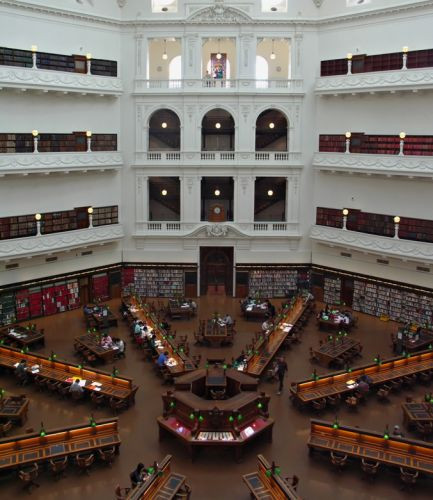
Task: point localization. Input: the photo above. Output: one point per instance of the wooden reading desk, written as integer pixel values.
(19, 451)
(91, 342)
(217, 333)
(370, 445)
(22, 336)
(163, 484)
(179, 309)
(412, 342)
(99, 319)
(307, 391)
(254, 310)
(417, 413)
(266, 484)
(200, 422)
(336, 348)
(267, 346)
(14, 408)
(179, 362)
(119, 388)
(334, 322)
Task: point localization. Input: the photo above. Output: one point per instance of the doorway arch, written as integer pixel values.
(216, 270)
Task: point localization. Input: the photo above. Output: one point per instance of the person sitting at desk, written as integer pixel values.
(228, 320)
(138, 475)
(266, 325)
(21, 371)
(106, 340)
(327, 311)
(120, 345)
(87, 310)
(193, 306)
(397, 432)
(138, 328)
(271, 308)
(162, 359)
(76, 387)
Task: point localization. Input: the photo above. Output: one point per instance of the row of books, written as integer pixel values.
(39, 301)
(276, 282)
(332, 290)
(154, 282)
(394, 303)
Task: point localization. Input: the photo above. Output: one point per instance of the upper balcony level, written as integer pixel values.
(34, 153)
(42, 71)
(402, 237)
(386, 155)
(400, 71)
(30, 235)
(218, 65)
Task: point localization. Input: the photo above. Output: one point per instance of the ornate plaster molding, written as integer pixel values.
(219, 14)
(58, 81)
(29, 163)
(217, 230)
(387, 165)
(318, 3)
(59, 242)
(379, 81)
(381, 245)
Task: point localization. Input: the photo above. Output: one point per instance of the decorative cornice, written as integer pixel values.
(387, 165)
(83, 17)
(58, 81)
(381, 245)
(30, 163)
(59, 242)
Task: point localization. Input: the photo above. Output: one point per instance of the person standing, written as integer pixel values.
(281, 372)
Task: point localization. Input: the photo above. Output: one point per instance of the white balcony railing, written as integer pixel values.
(368, 164)
(378, 81)
(370, 243)
(35, 163)
(251, 229)
(58, 81)
(223, 85)
(59, 242)
(219, 157)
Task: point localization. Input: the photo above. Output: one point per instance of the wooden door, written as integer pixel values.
(347, 291)
(216, 270)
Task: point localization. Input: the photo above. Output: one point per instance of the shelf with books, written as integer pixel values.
(332, 290)
(7, 309)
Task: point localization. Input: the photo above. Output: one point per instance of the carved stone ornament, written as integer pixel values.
(217, 230)
(318, 3)
(219, 13)
(121, 3)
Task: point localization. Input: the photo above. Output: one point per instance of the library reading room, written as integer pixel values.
(216, 249)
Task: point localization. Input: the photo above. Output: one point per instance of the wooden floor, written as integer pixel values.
(214, 475)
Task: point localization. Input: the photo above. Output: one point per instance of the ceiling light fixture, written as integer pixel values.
(164, 55)
(273, 56)
(164, 124)
(217, 192)
(272, 125)
(218, 125)
(270, 192)
(164, 192)
(219, 55)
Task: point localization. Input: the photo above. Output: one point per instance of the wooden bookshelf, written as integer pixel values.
(57, 62)
(54, 143)
(379, 62)
(22, 226)
(379, 224)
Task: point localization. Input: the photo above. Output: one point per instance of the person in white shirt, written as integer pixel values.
(228, 320)
(120, 345)
(106, 340)
(266, 325)
(76, 387)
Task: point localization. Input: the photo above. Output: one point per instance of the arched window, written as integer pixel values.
(175, 72)
(217, 131)
(164, 131)
(262, 72)
(271, 131)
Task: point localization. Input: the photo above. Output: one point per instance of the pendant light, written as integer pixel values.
(273, 56)
(219, 55)
(164, 55)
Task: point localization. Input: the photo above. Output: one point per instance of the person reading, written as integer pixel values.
(76, 387)
(162, 359)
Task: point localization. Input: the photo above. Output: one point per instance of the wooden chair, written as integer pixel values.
(121, 493)
(63, 390)
(370, 468)
(77, 396)
(425, 377)
(352, 402)
(408, 477)
(319, 405)
(409, 380)
(118, 405)
(28, 477)
(107, 455)
(58, 467)
(6, 427)
(97, 399)
(52, 386)
(184, 493)
(313, 356)
(383, 392)
(334, 400)
(425, 429)
(197, 358)
(198, 339)
(84, 462)
(396, 384)
(41, 383)
(338, 460)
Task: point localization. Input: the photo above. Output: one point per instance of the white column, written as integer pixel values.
(140, 56)
(292, 198)
(235, 201)
(182, 198)
(191, 57)
(141, 199)
(296, 59)
(234, 271)
(245, 199)
(190, 197)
